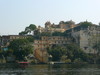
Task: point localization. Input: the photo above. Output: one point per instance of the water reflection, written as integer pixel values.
(58, 69)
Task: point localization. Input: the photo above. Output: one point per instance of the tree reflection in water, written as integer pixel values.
(56, 69)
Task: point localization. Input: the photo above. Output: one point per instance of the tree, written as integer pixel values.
(74, 52)
(21, 48)
(85, 24)
(71, 51)
(28, 29)
(57, 34)
(57, 52)
(45, 34)
(32, 27)
(30, 39)
(23, 33)
(97, 47)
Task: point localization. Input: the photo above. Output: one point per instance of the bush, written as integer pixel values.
(67, 61)
(78, 60)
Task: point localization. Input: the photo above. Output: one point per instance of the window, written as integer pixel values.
(49, 38)
(44, 45)
(58, 41)
(85, 48)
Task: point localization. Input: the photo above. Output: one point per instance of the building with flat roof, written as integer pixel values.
(40, 46)
(61, 27)
(85, 37)
(6, 39)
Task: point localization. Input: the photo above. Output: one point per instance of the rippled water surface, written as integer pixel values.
(56, 69)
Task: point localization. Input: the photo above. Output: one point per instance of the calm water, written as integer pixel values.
(58, 69)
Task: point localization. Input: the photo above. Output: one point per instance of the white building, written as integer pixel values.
(86, 38)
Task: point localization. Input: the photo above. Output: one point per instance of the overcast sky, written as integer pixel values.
(15, 15)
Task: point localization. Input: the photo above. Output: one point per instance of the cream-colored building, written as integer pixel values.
(6, 39)
(61, 27)
(86, 38)
(40, 46)
(48, 41)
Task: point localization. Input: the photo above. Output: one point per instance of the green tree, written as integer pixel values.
(45, 34)
(97, 47)
(71, 51)
(30, 28)
(74, 52)
(85, 24)
(57, 52)
(57, 34)
(21, 48)
(27, 29)
(30, 39)
(23, 33)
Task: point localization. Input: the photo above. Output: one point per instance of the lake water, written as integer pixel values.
(56, 69)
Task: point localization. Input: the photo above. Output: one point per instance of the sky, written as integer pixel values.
(15, 15)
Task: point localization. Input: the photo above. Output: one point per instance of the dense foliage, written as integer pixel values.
(57, 52)
(20, 48)
(74, 52)
(57, 33)
(97, 47)
(71, 51)
(85, 24)
(28, 29)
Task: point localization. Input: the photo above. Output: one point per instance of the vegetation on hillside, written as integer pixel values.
(85, 24)
(20, 48)
(71, 51)
(28, 29)
(57, 52)
(37, 34)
